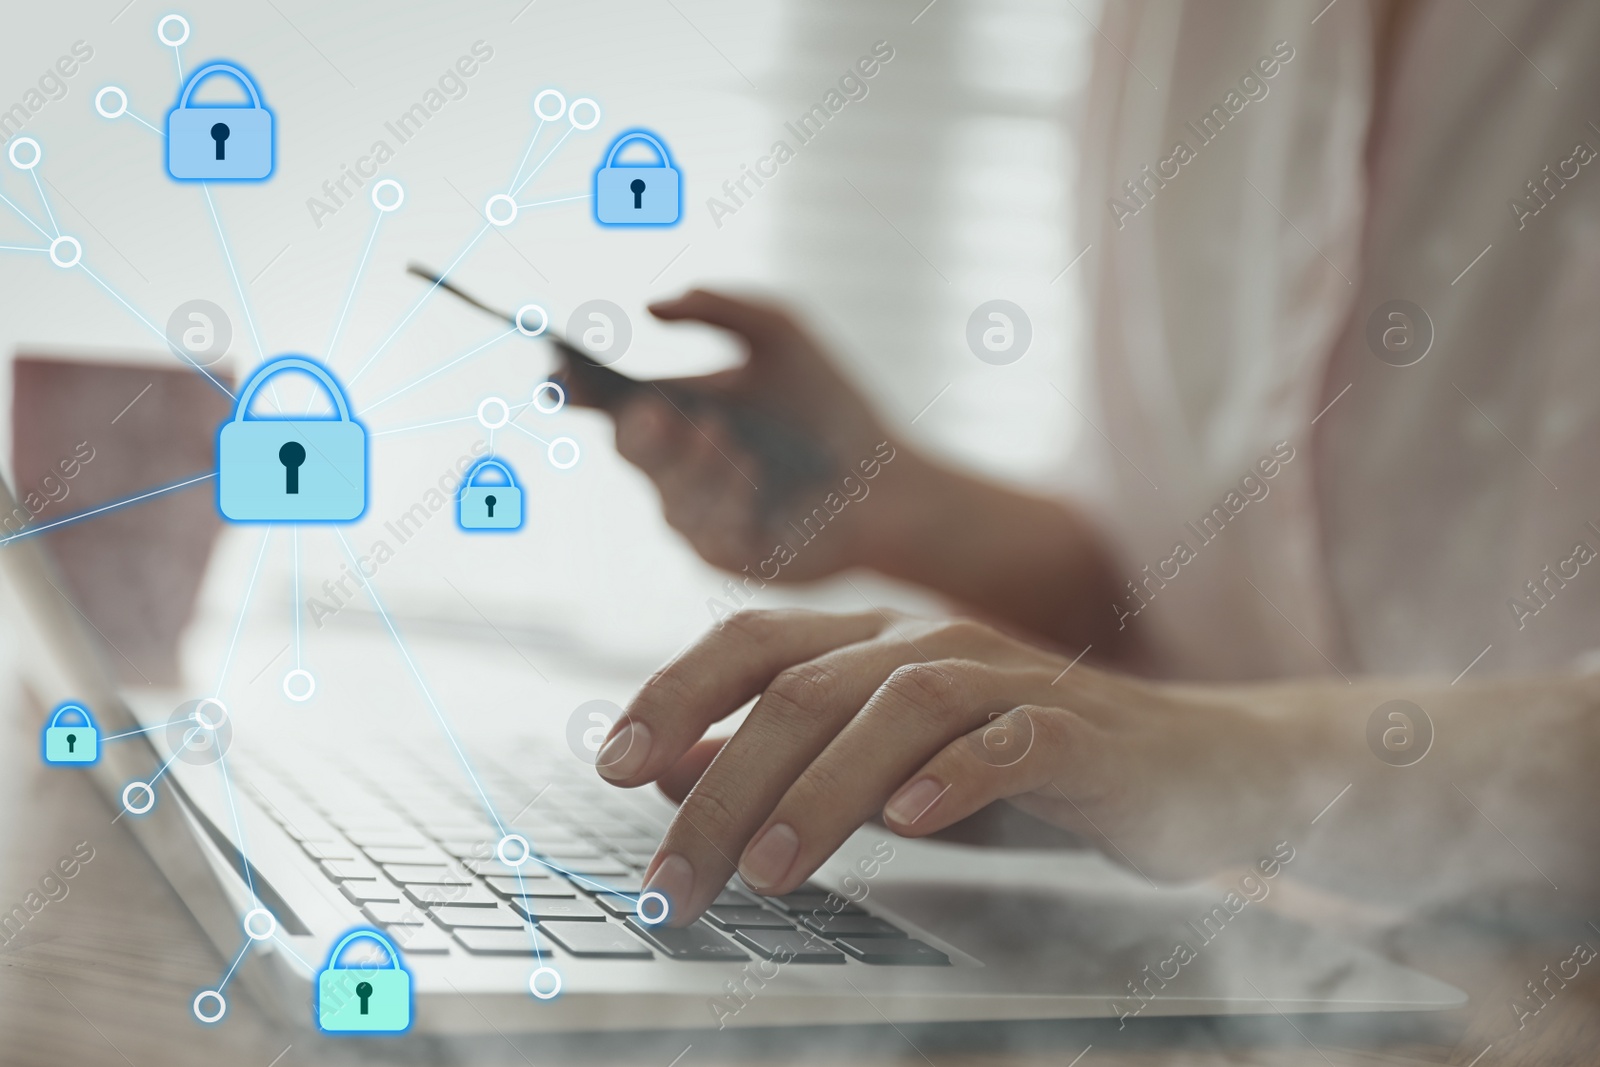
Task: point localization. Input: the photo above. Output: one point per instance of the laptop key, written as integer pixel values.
(539, 909)
(795, 946)
(832, 926)
(432, 855)
(373, 892)
(596, 940)
(453, 915)
(805, 903)
(481, 942)
(330, 850)
(512, 889)
(341, 870)
(426, 874)
(402, 837)
(400, 912)
(530, 870)
(696, 941)
(897, 951)
(595, 884)
(621, 907)
(733, 897)
(467, 896)
(419, 940)
(747, 917)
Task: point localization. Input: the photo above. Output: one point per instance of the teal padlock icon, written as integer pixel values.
(496, 506)
(227, 142)
(632, 194)
(71, 743)
(367, 999)
(295, 469)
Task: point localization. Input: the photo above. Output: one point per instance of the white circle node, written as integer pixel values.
(572, 114)
(70, 257)
(138, 809)
(555, 389)
(299, 674)
(399, 194)
(532, 331)
(258, 935)
(517, 841)
(561, 104)
(494, 424)
(99, 102)
(161, 30)
(555, 983)
(20, 142)
(488, 210)
(559, 465)
(639, 908)
(209, 994)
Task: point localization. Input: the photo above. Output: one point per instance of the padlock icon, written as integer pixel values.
(496, 506)
(635, 194)
(292, 468)
(367, 999)
(71, 743)
(220, 142)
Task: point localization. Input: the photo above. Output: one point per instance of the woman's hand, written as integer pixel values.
(926, 722)
(714, 490)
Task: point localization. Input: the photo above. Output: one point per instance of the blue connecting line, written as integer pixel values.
(559, 200)
(238, 827)
(537, 166)
(103, 508)
(235, 965)
(297, 597)
(22, 248)
(423, 299)
(24, 216)
(43, 200)
(152, 327)
(227, 254)
(528, 151)
(238, 625)
(361, 265)
(437, 371)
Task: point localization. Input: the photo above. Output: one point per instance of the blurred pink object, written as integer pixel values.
(88, 433)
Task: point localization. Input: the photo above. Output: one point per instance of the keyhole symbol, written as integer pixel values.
(490, 500)
(363, 990)
(637, 185)
(219, 134)
(291, 455)
(72, 742)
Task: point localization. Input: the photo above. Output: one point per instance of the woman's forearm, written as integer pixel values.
(1503, 797)
(1024, 559)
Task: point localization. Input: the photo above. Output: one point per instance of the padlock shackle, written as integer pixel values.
(472, 475)
(218, 68)
(63, 709)
(283, 363)
(638, 135)
(394, 953)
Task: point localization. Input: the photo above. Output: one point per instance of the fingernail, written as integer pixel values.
(770, 856)
(625, 753)
(912, 802)
(674, 879)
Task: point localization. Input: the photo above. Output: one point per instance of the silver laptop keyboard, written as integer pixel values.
(419, 862)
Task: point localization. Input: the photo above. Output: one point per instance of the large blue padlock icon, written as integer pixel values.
(371, 999)
(489, 507)
(71, 743)
(292, 469)
(634, 194)
(220, 142)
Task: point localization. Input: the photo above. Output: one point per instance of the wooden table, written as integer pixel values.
(105, 976)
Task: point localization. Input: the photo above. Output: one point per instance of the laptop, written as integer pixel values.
(283, 841)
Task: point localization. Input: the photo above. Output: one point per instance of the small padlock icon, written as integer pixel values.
(220, 142)
(634, 194)
(71, 743)
(295, 469)
(496, 506)
(364, 999)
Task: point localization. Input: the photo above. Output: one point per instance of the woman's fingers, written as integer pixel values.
(710, 681)
(1025, 749)
(801, 712)
(682, 776)
(759, 324)
(917, 711)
